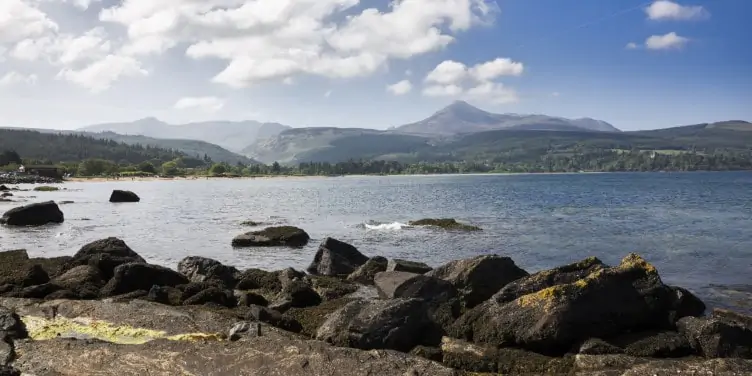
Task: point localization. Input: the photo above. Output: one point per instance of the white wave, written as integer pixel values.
(386, 226)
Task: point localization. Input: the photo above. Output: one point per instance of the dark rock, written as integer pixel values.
(17, 269)
(213, 296)
(311, 318)
(106, 255)
(127, 297)
(281, 305)
(4, 188)
(199, 269)
(430, 353)
(246, 299)
(271, 317)
(193, 288)
(365, 273)
(684, 303)
(65, 202)
(299, 294)
(444, 223)
(548, 278)
(478, 278)
(505, 361)
(7, 350)
(36, 214)
(165, 295)
(397, 265)
(652, 344)
(722, 335)
(84, 280)
(627, 298)
(38, 291)
(288, 275)
(11, 324)
(252, 279)
(597, 346)
(336, 258)
(124, 196)
(388, 283)
(273, 237)
(54, 266)
(65, 294)
(395, 324)
(137, 276)
(251, 223)
(330, 288)
(6, 194)
(9, 371)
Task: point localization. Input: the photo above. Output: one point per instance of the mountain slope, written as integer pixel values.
(461, 118)
(230, 135)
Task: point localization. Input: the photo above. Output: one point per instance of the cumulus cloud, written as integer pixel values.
(442, 91)
(101, 74)
(400, 88)
(21, 19)
(669, 10)
(205, 104)
(632, 46)
(455, 79)
(666, 42)
(15, 78)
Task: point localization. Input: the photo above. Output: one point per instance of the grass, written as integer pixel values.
(46, 188)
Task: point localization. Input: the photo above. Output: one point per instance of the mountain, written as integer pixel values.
(460, 118)
(230, 135)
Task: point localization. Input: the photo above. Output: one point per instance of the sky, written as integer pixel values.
(65, 64)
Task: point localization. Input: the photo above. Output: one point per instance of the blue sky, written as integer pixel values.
(636, 64)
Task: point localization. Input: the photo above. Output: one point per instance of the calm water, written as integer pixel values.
(695, 227)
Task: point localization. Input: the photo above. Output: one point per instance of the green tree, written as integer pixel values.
(218, 169)
(148, 167)
(170, 168)
(9, 157)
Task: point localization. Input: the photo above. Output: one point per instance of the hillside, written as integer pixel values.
(57, 148)
(230, 135)
(461, 118)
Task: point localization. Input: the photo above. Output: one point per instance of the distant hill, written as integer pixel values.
(230, 135)
(461, 118)
(57, 148)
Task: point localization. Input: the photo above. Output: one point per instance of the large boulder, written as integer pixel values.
(330, 288)
(11, 324)
(36, 214)
(336, 258)
(299, 294)
(84, 281)
(273, 237)
(548, 278)
(366, 272)
(611, 301)
(199, 269)
(124, 196)
(137, 276)
(398, 265)
(17, 270)
(724, 334)
(213, 296)
(106, 255)
(252, 279)
(395, 324)
(478, 278)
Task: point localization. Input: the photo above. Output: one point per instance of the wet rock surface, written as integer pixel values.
(124, 196)
(36, 214)
(273, 237)
(336, 258)
(366, 272)
(398, 265)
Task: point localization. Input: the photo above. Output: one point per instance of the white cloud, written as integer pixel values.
(101, 74)
(666, 42)
(21, 19)
(205, 104)
(669, 10)
(400, 88)
(495, 69)
(447, 72)
(493, 92)
(14, 78)
(632, 46)
(442, 91)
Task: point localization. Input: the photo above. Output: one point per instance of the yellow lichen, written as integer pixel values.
(635, 261)
(43, 329)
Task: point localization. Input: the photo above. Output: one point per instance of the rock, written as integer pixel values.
(251, 223)
(16, 269)
(365, 273)
(54, 266)
(336, 258)
(597, 346)
(213, 295)
(258, 279)
(7, 350)
(311, 318)
(137, 276)
(444, 223)
(199, 269)
(428, 352)
(4, 188)
(299, 294)
(505, 361)
(722, 335)
(84, 281)
(653, 344)
(165, 295)
(609, 302)
(330, 288)
(242, 328)
(479, 278)
(397, 265)
(192, 288)
(273, 237)
(6, 194)
(124, 196)
(63, 294)
(11, 324)
(65, 202)
(246, 299)
(684, 303)
(548, 278)
(271, 317)
(46, 188)
(36, 214)
(624, 365)
(106, 255)
(38, 291)
(127, 297)
(376, 324)
(9, 371)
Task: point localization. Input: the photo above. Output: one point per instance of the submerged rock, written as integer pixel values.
(124, 196)
(273, 237)
(366, 272)
(444, 223)
(478, 278)
(335, 258)
(397, 265)
(36, 214)
(199, 269)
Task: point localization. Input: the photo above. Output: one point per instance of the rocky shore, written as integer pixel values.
(8, 179)
(106, 311)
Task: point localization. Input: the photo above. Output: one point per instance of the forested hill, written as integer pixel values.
(61, 148)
